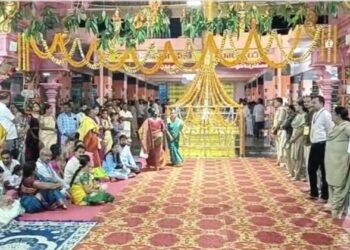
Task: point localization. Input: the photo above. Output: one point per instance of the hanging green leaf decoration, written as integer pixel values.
(232, 20)
(327, 8)
(135, 29)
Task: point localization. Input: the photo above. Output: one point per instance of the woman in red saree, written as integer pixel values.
(151, 135)
(89, 134)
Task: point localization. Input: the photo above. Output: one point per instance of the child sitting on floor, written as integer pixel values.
(16, 177)
(9, 208)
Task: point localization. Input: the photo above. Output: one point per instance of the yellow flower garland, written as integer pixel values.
(130, 61)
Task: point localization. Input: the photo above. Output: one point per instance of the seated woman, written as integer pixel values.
(83, 188)
(113, 166)
(9, 208)
(37, 196)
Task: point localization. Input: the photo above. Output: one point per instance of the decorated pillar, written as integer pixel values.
(269, 85)
(142, 90)
(326, 89)
(137, 88)
(346, 91)
(66, 86)
(108, 82)
(125, 88)
(117, 85)
(102, 79)
(325, 84)
(286, 87)
(131, 91)
(51, 89)
(149, 91)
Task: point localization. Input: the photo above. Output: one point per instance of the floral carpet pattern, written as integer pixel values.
(216, 204)
(43, 235)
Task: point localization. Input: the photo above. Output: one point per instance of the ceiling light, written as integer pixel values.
(189, 77)
(194, 3)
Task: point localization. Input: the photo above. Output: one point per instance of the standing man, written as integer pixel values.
(307, 127)
(141, 108)
(280, 135)
(259, 117)
(7, 121)
(67, 123)
(320, 125)
(126, 116)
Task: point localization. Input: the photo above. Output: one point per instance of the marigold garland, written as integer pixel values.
(129, 60)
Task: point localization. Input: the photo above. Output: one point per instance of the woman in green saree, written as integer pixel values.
(84, 190)
(174, 126)
(337, 162)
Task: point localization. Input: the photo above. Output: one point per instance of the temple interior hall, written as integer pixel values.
(175, 125)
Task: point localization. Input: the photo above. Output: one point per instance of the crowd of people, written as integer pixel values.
(254, 114)
(50, 161)
(313, 145)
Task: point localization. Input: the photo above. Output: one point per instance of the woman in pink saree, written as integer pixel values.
(151, 135)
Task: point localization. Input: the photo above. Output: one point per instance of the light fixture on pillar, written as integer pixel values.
(186, 78)
(194, 3)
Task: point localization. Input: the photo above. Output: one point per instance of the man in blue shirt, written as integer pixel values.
(67, 123)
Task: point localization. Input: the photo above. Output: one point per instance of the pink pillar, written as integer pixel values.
(325, 86)
(51, 91)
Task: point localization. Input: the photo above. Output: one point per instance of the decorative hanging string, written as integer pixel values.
(23, 53)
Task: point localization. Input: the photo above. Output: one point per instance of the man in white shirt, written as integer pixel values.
(45, 173)
(125, 155)
(321, 124)
(280, 135)
(126, 115)
(7, 121)
(7, 164)
(158, 107)
(259, 117)
(73, 164)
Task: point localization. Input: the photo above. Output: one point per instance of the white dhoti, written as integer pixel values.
(281, 139)
(249, 126)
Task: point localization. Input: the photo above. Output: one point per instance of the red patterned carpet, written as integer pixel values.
(216, 204)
